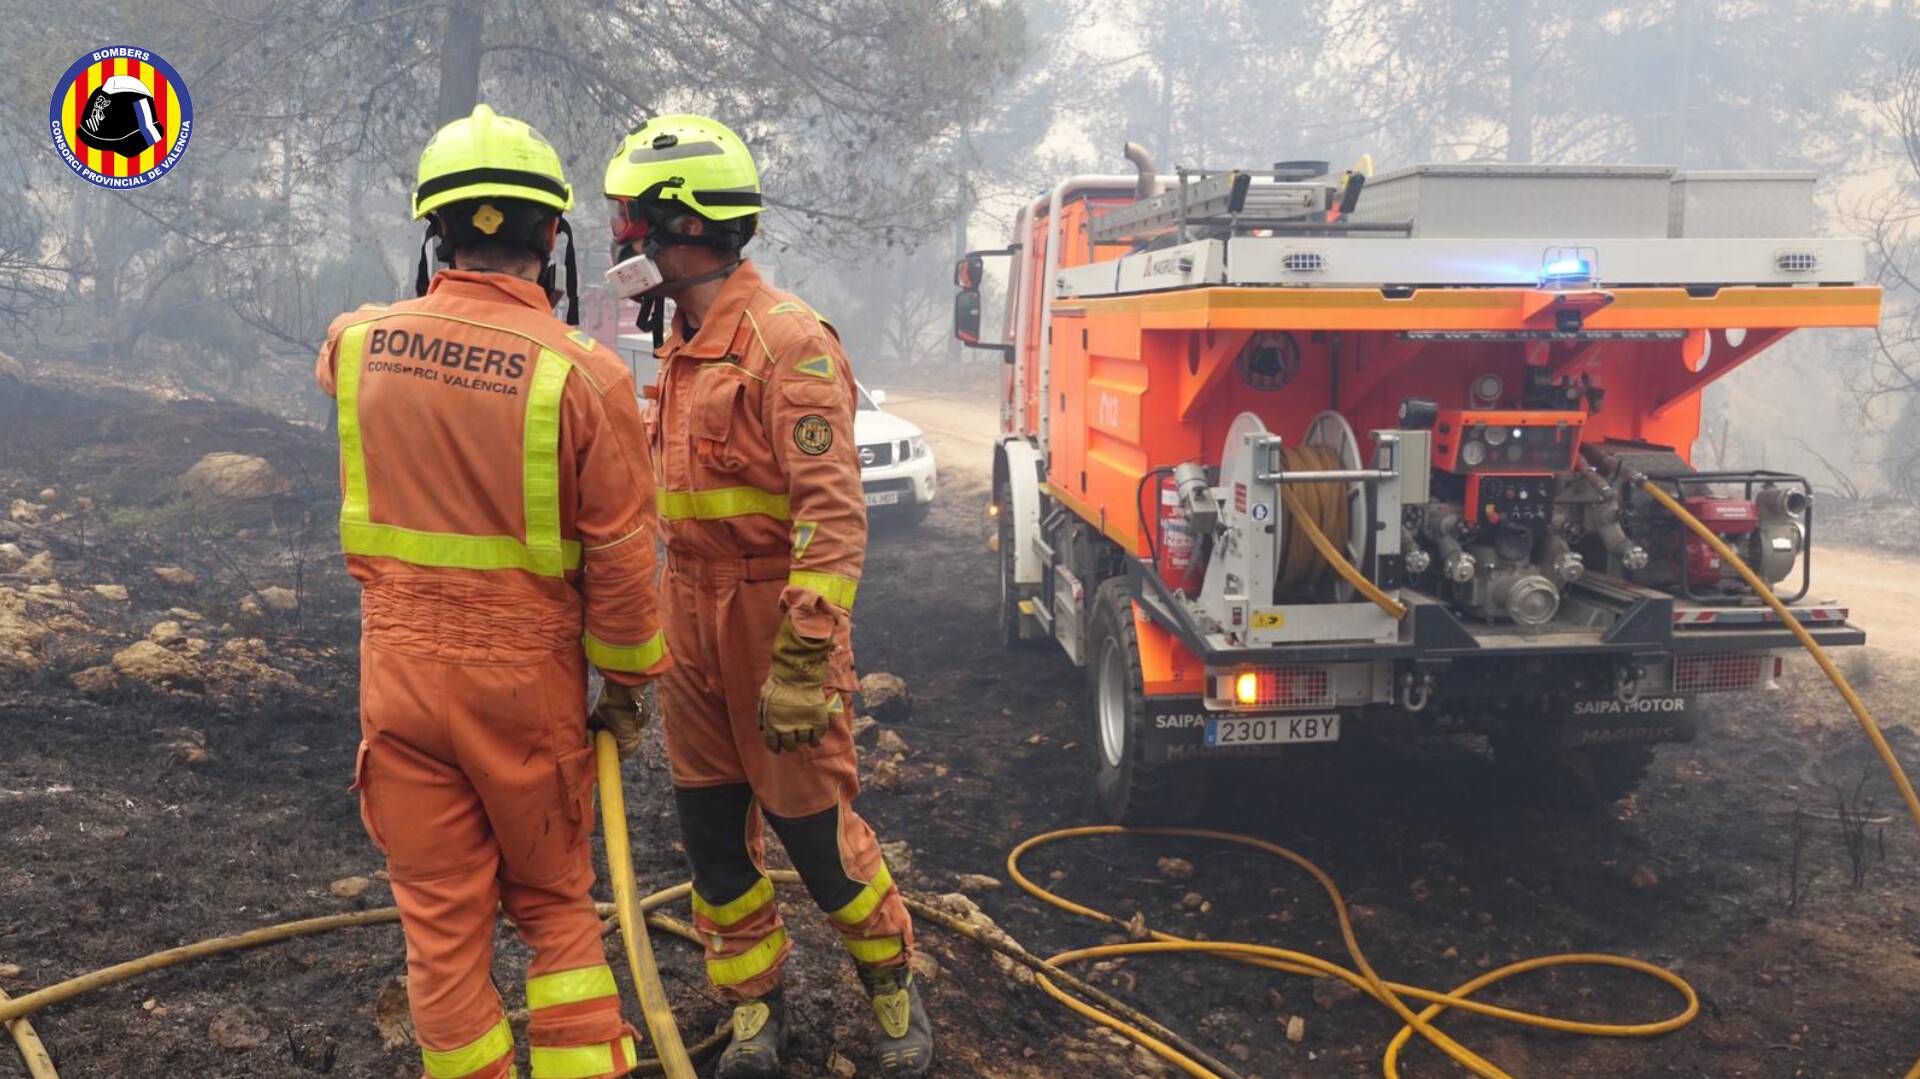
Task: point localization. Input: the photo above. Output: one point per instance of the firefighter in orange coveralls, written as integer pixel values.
(766, 529)
(498, 512)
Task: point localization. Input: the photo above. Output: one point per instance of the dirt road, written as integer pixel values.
(960, 428)
(1881, 589)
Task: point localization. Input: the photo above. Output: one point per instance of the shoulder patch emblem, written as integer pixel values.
(813, 435)
(820, 366)
(580, 339)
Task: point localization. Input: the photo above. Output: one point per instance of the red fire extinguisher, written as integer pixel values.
(1175, 552)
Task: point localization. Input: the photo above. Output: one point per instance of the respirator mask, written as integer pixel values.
(640, 233)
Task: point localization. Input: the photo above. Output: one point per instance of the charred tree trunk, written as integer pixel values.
(460, 59)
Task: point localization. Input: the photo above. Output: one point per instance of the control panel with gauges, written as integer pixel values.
(1502, 442)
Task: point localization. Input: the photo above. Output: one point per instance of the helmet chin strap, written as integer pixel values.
(421, 276)
(573, 279)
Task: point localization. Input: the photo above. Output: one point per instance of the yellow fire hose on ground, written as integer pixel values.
(633, 924)
(1104, 1009)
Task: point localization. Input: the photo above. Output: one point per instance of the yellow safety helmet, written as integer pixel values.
(692, 160)
(489, 155)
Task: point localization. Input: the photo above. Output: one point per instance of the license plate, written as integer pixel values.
(1271, 730)
(882, 498)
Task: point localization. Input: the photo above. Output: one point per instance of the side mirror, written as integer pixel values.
(966, 316)
(878, 397)
(969, 271)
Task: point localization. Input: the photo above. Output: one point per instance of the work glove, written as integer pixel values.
(795, 703)
(624, 712)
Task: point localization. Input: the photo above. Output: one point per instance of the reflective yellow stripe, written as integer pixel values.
(570, 986)
(353, 456)
(450, 549)
(579, 1061)
(750, 964)
(721, 503)
(634, 658)
(867, 901)
(726, 914)
(543, 551)
(540, 482)
(877, 950)
(471, 1057)
(838, 589)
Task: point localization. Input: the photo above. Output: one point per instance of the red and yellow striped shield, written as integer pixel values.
(147, 100)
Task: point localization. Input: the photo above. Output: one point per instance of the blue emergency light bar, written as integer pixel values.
(1563, 270)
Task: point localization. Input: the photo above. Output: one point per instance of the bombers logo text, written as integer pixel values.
(120, 117)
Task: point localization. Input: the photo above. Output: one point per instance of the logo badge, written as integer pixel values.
(813, 434)
(867, 456)
(120, 117)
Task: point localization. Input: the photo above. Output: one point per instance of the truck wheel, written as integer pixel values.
(1131, 791)
(1573, 780)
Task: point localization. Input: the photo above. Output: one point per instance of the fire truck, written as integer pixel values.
(1288, 458)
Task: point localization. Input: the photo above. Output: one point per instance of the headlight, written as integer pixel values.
(919, 444)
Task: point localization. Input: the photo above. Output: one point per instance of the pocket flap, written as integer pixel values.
(716, 395)
(813, 393)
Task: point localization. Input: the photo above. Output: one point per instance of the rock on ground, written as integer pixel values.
(349, 887)
(154, 664)
(115, 592)
(176, 576)
(38, 568)
(885, 697)
(11, 557)
(95, 681)
(20, 636)
(278, 598)
(11, 368)
(234, 477)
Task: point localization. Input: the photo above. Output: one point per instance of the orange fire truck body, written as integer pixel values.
(1176, 358)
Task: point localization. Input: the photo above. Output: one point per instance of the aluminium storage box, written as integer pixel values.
(1742, 205)
(1569, 203)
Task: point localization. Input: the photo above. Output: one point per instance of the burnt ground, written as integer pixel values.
(121, 835)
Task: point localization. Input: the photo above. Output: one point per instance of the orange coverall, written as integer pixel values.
(765, 520)
(498, 512)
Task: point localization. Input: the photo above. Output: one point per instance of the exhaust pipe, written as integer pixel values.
(1148, 185)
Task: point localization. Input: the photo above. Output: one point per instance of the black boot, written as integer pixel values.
(906, 1038)
(759, 1039)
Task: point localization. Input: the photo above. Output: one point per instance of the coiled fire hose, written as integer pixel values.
(1311, 507)
(1086, 1000)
